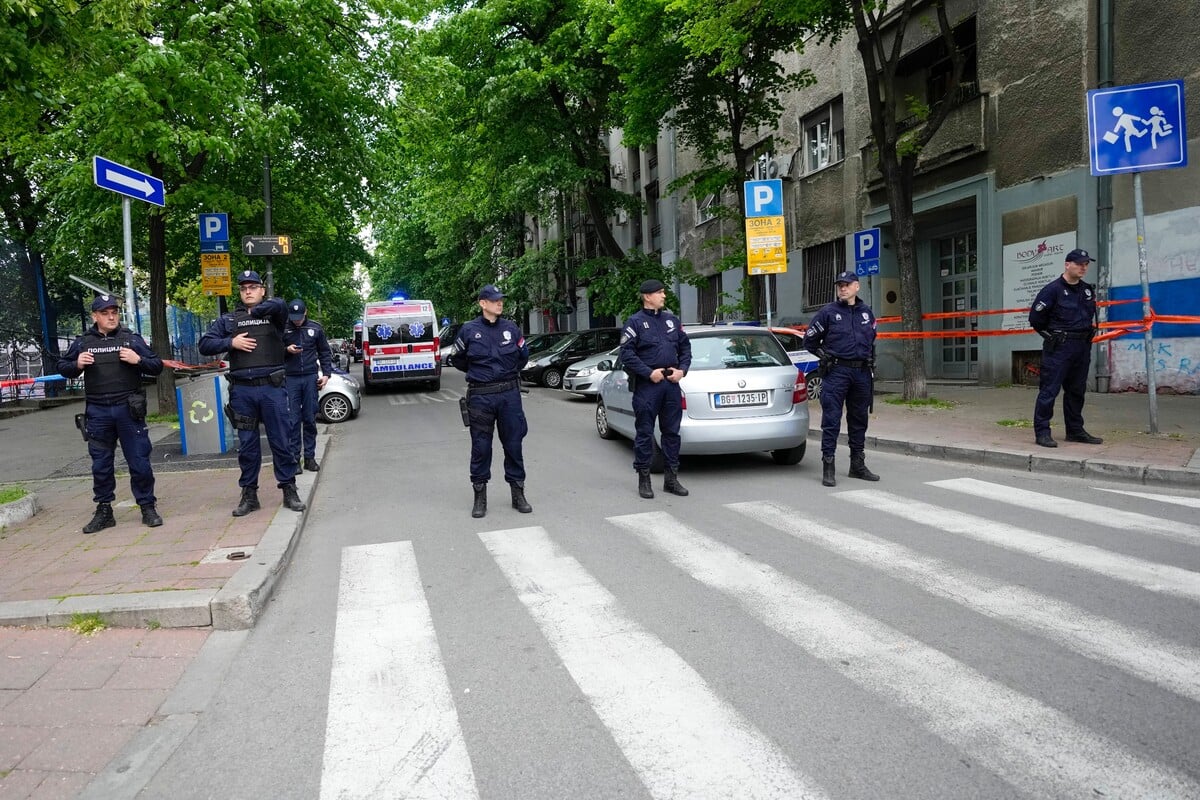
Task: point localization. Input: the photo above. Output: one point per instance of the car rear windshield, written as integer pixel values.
(400, 330)
(737, 351)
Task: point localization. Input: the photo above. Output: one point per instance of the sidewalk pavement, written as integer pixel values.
(103, 711)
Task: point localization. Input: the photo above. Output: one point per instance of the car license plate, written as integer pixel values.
(731, 399)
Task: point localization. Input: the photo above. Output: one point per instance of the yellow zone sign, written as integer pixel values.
(214, 274)
(766, 246)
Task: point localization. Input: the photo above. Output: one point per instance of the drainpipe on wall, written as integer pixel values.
(1104, 70)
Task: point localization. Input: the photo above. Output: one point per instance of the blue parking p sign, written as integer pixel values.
(866, 252)
(1136, 128)
(214, 228)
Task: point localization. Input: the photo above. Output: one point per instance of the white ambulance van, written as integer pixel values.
(400, 344)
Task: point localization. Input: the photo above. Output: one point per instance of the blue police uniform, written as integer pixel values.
(1063, 314)
(301, 384)
(650, 340)
(115, 412)
(257, 393)
(492, 355)
(842, 335)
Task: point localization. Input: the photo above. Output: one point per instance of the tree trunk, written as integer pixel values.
(160, 336)
(899, 193)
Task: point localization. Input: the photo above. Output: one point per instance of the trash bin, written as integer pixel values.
(201, 402)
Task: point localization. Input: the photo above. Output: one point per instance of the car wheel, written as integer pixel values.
(812, 383)
(602, 426)
(657, 462)
(552, 379)
(435, 384)
(335, 407)
(790, 456)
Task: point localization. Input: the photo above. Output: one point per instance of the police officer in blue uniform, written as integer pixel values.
(1063, 314)
(656, 353)
(842, 335)
(307, 348)
(112, 360)
(252, 335)
(492, 351)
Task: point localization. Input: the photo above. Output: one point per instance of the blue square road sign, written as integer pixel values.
(214, 228)
(764, 198)
(1136, 128)
(866, 251)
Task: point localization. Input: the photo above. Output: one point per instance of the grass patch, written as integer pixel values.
(11, 494)
(153, 624)
(920, 402)
(87, 624)
(162, 419)
(1015, 423)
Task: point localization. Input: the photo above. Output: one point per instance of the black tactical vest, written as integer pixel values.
(270, 350)
(109, 375)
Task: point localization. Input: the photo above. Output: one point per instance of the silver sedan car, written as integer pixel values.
(742, 395)
(341, 398)
(583, 377)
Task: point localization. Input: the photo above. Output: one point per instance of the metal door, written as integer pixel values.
(959, 291)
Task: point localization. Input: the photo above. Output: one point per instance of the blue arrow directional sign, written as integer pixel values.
(1136, 128)
(128, 181)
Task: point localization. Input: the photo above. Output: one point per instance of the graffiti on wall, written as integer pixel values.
(1176, 365)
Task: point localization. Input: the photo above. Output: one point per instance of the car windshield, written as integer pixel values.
(737, 351)
(562, 344)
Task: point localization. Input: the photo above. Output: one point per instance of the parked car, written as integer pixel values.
(793, 341)
(547, 368)
(742, 394)
(540, 342)
(583, 377)
(340, 399)
(446, 337)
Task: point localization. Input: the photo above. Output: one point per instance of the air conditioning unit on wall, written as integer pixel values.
(618, 171)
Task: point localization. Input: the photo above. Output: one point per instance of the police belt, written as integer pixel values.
(490, 388)
(1081, 335)
(263, 381)
(847, 362)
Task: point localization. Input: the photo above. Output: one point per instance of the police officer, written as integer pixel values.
(112, 360)
(252, 334)
(842, 335)
(307, 348)
(492, 351)
(656, 353)
(1064, 314)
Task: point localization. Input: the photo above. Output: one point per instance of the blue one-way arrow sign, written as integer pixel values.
(128, 181)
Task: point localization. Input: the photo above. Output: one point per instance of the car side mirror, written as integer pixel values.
(604, 366)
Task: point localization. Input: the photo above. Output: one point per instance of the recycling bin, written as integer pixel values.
(203, 426)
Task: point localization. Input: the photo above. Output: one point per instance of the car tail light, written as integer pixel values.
(800, 392)
(437, 350)
(682, 401)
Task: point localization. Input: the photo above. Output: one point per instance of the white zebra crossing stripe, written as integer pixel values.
(1175, 667)
(683, 740)
(1127, 569)
(1032, 746)
(1190, 502)
(392, 728)
(1073, 509)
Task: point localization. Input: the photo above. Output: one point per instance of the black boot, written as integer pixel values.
(291, 498)
(480, 507)
(150, 516)
(249, 502)
(311, 465)
(827, 478)
(103, 519)
(858, 468)
(671, 484)
(644, 487)
(519, 501)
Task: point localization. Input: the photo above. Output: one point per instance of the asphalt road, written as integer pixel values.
(948, 632)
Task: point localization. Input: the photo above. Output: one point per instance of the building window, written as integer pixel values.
(822, 263)
(824, 138)
(705, 209)
(709, 298)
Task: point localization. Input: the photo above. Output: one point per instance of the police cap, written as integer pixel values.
(651, 286)
(490, 292)
(846, 277)
(104, 301)
(297, 310)
(1079, 256)
(248, 276)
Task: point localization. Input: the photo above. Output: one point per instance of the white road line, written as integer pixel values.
(1032, 746)
(392, 728)
(1173, 666)
(681, 738)
(1073, 509)
(1127, 569)
(1190, 502)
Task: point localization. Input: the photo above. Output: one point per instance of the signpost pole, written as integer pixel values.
(767, 288)
(267, 220)
(132, 318)
(1143, 270)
